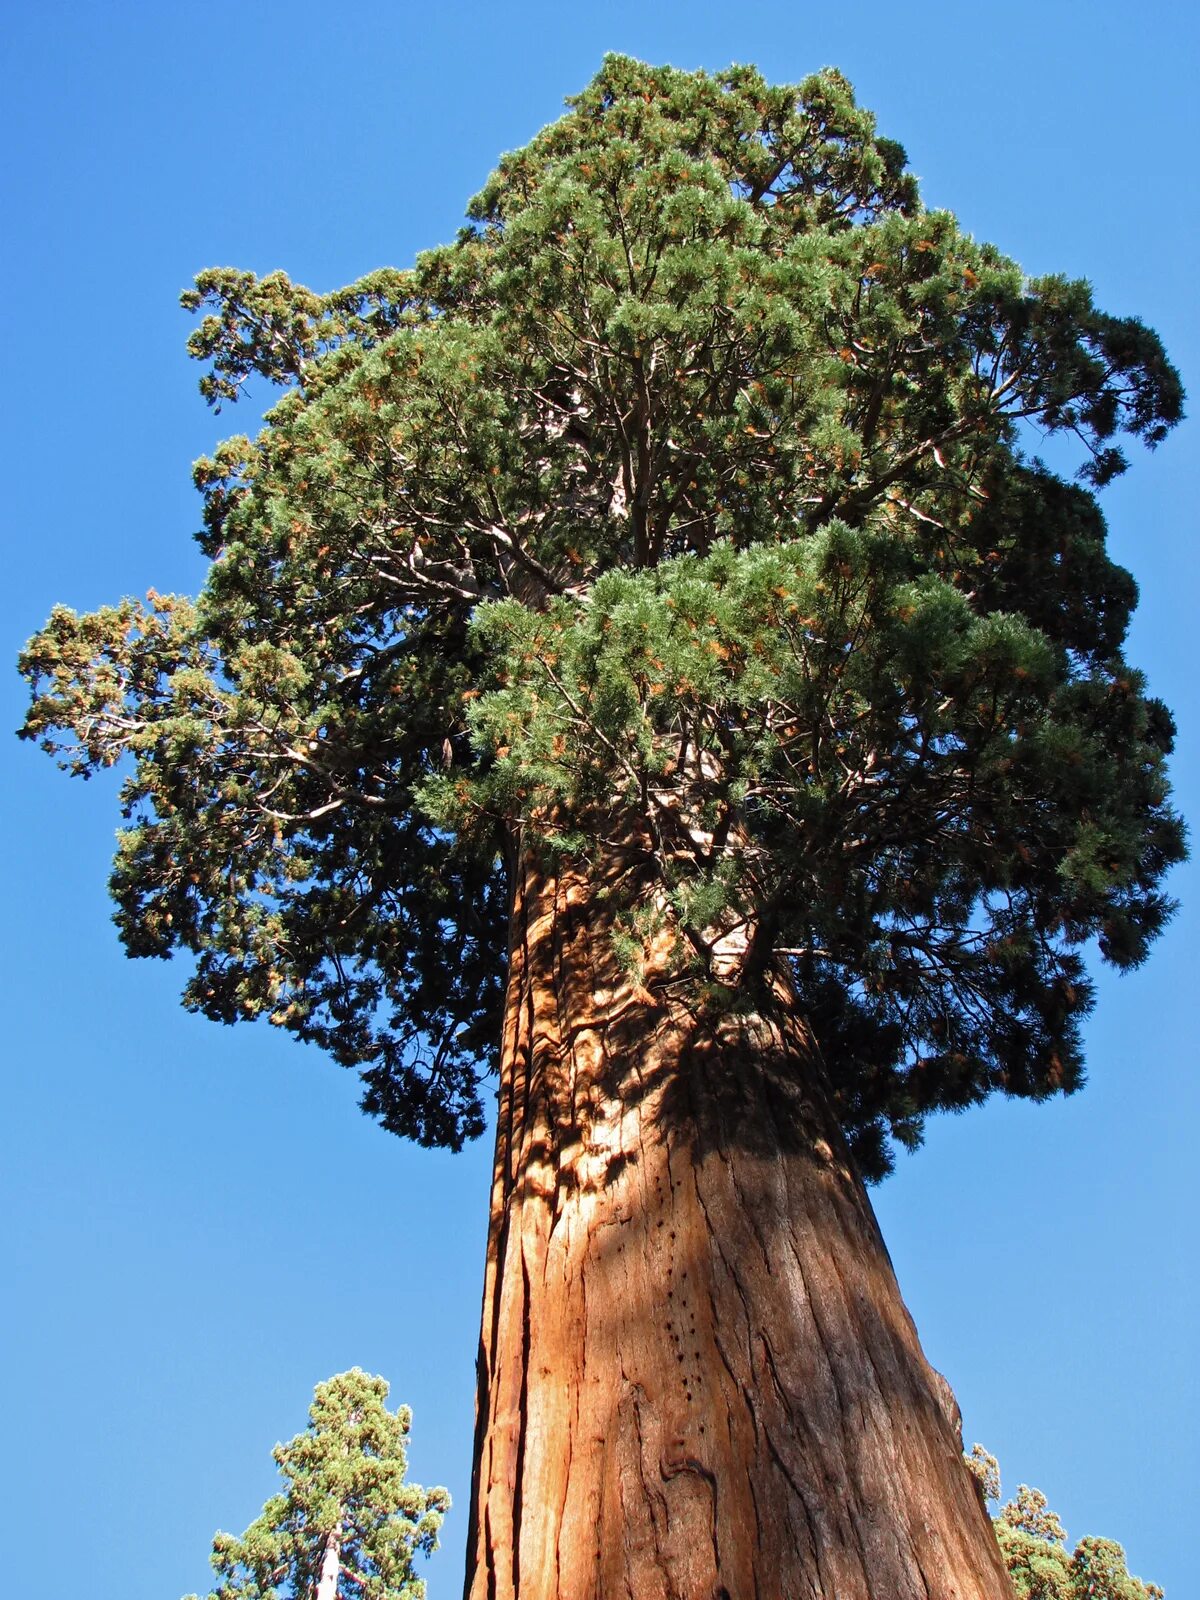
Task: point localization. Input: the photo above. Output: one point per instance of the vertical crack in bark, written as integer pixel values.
(489, 1564)
(814, 1541)
(885, 1437)
(579, 1390)
(822, 1341)
(804, 1433)
(518, 1488)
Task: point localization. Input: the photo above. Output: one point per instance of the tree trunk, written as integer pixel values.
(330, 1566)
(697, 1378)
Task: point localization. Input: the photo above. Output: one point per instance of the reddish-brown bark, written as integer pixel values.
(697, 1378)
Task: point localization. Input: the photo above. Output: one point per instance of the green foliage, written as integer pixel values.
(343, 1481)
(1033, 1544)
(686, 486)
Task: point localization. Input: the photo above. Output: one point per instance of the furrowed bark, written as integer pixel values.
(697, 1378)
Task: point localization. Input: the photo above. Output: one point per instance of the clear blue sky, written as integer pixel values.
(199, 1224)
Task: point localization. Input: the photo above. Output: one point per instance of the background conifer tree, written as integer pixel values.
(640, 659)
(1033, 1543)
(346, 1526)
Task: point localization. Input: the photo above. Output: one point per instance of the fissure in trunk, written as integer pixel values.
(697, 1378)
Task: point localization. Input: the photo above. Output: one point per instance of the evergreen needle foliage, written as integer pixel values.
(345, 1514)
(1033, 1544)
(683, 496)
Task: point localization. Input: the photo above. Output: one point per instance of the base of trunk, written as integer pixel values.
(697, 1378)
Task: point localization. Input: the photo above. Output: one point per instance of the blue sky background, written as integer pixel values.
(199, 1224)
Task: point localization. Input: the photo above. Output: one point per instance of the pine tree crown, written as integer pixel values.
(343, 1484)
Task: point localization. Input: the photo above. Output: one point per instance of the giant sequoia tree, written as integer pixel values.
(639, 662)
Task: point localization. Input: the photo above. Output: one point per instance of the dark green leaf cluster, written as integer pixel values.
(686, 488)
(345, 1507)
(271, 831)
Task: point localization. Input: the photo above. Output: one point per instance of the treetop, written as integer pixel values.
(344, 1508)
(689, 483)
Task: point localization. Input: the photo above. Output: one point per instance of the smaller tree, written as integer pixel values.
(347, 1526)
(1033, 1543)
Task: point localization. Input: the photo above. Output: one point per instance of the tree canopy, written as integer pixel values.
(345, 1516)
(1033, 1543)
(691, 484)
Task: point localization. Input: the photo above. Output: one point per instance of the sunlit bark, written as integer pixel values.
(697, 1377)
(330, 1567)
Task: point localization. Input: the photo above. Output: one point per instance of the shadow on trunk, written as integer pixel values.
(697, 1377)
